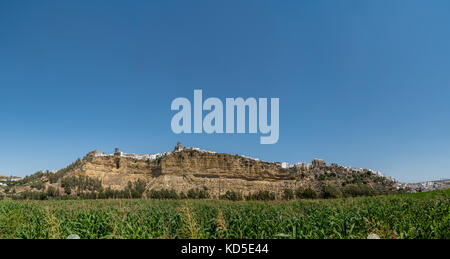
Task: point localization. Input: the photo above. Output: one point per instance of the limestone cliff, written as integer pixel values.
(188, 168)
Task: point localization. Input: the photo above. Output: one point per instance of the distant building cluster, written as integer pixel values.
(4, 180)
(118, 153)
(252, 158)
(178, 148)
(425, 186)
(317, 162)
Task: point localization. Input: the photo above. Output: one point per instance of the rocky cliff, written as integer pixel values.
(188, 168)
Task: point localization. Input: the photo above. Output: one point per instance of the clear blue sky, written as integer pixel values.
(361, 83)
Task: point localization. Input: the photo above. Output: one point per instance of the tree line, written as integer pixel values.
(84, 187)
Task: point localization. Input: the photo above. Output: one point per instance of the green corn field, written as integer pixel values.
(420, 215)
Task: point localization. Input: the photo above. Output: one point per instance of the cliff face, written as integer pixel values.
(212, 165)
(218, 173)
(187, 169)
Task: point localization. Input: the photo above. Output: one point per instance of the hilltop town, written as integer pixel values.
(185, 169)
(285, 165)
(4, 180)
(425, 186)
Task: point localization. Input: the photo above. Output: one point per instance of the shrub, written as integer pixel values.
(163, 194)
(38, 184)
(67, 190)
(88, 195)
(197, 194)
(288, 194)
(358, 190)
(329, 191)
(109, 193)
(82, 183)
(307, 193)
(135, 189)
(232, 196)
(182, 195)
(52, 191)
(261, 196)
(29, 195)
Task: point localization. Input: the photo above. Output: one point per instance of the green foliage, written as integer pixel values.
(261, 196)
(163, 194)
(55, 177)
(288, 194)
(410, 216)
(31, 195)
(198, 193)
(37, 184)
(33, 178)
(326, 176)
(67, 190)
(52, 191)
(109, 193)
(232, 196)
(363, 178)
(329, 192)
(81, 183)
(136, 189)
(358, 190)
(117, 163)
(307, 193)
(182, 195)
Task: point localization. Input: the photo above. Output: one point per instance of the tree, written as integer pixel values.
(329, 191)
(232, 196)
(288, 194)
(67, 190)
(307, 193)
(52, 191)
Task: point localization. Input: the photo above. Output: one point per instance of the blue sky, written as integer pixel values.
(361, 83)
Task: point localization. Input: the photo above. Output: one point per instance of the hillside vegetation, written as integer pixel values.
(192, 173)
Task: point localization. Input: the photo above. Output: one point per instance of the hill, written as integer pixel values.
(186, 169)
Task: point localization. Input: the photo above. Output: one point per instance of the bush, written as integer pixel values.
(38, 184)
(261, 196)
(182, 195)
(163, 194)
(307, 193)
(136, 189)
(67, 190)
(52, 191)
(52, 177)
(288, 194)
(109, 193)
(197, 194)
(329, 191)
(88, 195)
(29, 195)
(82, 183)
(358, 190)
(232, 196)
